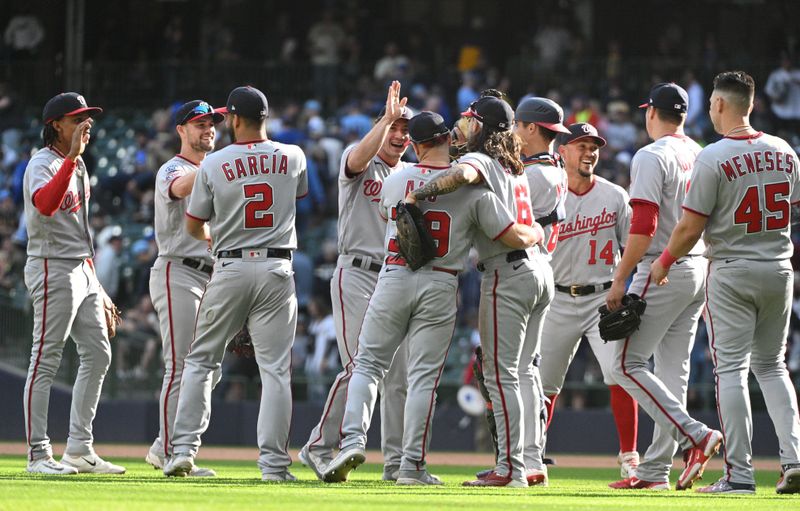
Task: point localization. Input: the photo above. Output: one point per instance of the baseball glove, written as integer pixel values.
(621, 323)
(242, 344)
(113, 318)
(413, 237)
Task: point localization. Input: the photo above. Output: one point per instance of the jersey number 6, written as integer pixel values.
(255, 211)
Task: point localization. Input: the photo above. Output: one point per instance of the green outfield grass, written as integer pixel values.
(239, 487)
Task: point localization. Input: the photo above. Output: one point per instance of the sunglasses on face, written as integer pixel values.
(201, 109)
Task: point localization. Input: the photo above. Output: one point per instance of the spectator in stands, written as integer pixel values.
(137, 336)
(108, 261)
(783, 90)
(325, 40)
(392, 66)
(23, 35)
(620, 132)
(697, 120)
(324, 357)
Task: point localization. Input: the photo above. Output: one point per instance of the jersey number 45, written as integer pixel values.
(776, 203)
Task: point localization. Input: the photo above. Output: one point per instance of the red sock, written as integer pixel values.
(551, 408)
(626, 416)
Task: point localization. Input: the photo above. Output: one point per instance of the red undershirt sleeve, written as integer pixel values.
(49, 197)
(645, 218)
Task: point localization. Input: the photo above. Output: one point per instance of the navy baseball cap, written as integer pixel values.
(196, 109)
(426, 126)
(579, 131)
(67, 103)
(246, 101)
(492, 112)
(668, 96)
(542, 112)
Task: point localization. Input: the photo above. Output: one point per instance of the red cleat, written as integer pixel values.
(633, 483)
(696, 459)
(537, 478)
(494, 479)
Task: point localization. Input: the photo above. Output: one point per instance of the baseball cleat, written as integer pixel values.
(495, 479)
(155, 460)
(696, 459)
(628, 462)
(279, 477)
(348, 459)
(390, 473)
(723, 486)
(537, 477)
(549, 461)
(51, 467)
(312, 461)
(202, 472)
(179, 465)
(633, 483)
(414, 478)
(91, 464)
(790, 479)
(483, 474)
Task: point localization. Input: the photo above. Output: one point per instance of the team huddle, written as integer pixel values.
(705, 229)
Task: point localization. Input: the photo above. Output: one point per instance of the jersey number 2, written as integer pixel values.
(255, 211)
(776, 203)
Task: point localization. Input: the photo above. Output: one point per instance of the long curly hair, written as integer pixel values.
(504, 146)
(49, 135)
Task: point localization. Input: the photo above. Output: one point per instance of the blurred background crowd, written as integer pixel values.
(325, 71)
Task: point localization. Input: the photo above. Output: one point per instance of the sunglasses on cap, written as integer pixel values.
(198, 111)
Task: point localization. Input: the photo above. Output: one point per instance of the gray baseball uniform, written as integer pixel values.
(419, 304)
(660, 175)
(589, 243)
(246, 191)
(177, 282)
(745, 186)
(547, 182)
(361, 253)
(67, 301)
(516, 291)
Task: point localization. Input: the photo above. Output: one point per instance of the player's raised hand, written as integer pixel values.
(80, 137)
(394, 104)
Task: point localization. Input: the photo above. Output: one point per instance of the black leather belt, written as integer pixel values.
(373, 266)
(281, 253)
(514, 255)
(584, 290)
(198, 265)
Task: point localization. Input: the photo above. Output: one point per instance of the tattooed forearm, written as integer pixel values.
(446, 182)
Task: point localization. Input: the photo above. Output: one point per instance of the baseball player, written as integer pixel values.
(589, 243)
(363, 169)
(517, 284)
(660, 175)
(419, 303)
(68, 300)
(181, 271)
(740, 201)
(537, 122)
(246, 193)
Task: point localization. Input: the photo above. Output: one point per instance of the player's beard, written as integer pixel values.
(203, 147)
(585, 173)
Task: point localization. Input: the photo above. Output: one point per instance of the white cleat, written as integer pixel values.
(628, 463)
(155, 460)
(346, 461)
(202, 472)
(91, 464)
(280, 477)
(312, 461)
(179, 465)
(51, 467)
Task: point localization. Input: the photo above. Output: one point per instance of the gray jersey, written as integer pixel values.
(589, 240)
(360, 225)
(454, 220)
(548, 188)
(744, 186)
(247, 192)
(171, 235)
(65, 235)
(660, 175)
(512, 191)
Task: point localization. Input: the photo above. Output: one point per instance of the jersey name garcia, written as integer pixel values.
(247, 192)
(660, 175)
(361, 229)
(65, 235)
(455, 220)
(171, 235)
(746, 186)
(590, 238)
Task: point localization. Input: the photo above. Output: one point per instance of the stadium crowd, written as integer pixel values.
(129, 146)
